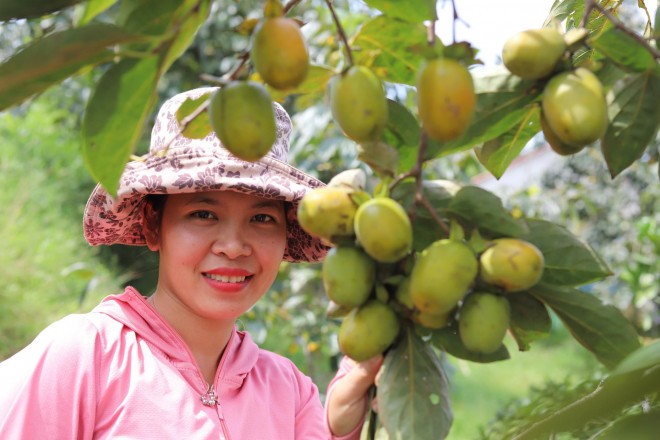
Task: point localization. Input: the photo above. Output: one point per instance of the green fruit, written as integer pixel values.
(279, 53)
(402, 294)
(358, 104)
(348, 276)
(483, 322)
(445, 98)
(442, 275)
(242, 117)
(383, 229)
(511, 264)
(327, 212)
(432, 321)
(557, 145)
(368, 331)
(574, 106)
(534, 53)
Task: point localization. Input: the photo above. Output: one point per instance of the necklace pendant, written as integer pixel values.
(209, 398)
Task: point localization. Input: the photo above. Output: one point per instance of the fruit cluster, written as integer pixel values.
(376, 282)
(573, 105)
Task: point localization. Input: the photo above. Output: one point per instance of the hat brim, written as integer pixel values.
(111, 220)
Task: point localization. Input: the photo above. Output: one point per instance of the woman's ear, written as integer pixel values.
(151, 226)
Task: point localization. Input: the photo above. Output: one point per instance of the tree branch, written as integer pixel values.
(340, 31)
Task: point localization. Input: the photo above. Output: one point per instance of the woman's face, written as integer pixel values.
(220, 252)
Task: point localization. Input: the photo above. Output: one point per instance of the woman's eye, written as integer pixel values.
(263, 218)
(203, 214)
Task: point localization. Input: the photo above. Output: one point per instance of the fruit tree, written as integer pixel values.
(417, 267)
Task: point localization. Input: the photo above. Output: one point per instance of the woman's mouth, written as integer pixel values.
(225, 278)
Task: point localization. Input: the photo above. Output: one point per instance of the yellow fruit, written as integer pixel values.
(368, 330)
(534, 53)
(483, 322)
(358, 103)
(242, 117)
(279, 53)
(432, 321)
(445, 98)
(383, 229)
(442, 275)
(575, 108)
(348, 276)
(557, 145)
(511, 264)
(327, 212)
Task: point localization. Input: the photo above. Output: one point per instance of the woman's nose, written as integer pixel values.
(231, 241)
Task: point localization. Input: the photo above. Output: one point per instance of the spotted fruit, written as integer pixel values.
(558, 146)
(327, 212)
(511, 264)
(445, 98)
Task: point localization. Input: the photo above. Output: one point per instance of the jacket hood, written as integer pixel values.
(134, 312)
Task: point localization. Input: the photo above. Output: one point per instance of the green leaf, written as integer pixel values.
(391, 47)
(315, 83)
(115, 117)
(634, 120)
(497, 154)
(568, 260)
(644, 426)
(381, 157)
(644, 358)
(155, 17)
(563, 9)
(601, 329)
(91, 9)
(413, 392)
(191, 17)
(503, 106)
(447, 339)
(485, 211)
(53, 58)
(403, 133)
(200, 126)
(624, 50)
(415, 11)
(530, 320)
(32, 8)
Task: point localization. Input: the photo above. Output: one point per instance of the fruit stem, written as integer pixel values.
(340, 31)
(290, 5)
(590, 5)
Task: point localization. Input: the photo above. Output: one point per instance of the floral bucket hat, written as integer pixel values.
(178, 164)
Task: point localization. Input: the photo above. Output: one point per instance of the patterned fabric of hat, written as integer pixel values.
(177, 164)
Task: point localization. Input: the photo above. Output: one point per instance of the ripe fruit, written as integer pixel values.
(432, 321)
(368, 330)
(557, 145)
(511, 264)
(279, 53)
(327, 212)
(358, 103)
(242, 116)
(442, 275)
(483, 322)
(445, 98)
(575, 108)
(348, 276)
(383, 229)
(534, 53)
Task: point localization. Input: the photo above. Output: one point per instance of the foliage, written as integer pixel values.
(47, 268)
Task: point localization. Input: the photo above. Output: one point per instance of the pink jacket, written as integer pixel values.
(121, 371)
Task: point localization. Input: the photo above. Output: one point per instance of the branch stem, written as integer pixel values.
(340, 31)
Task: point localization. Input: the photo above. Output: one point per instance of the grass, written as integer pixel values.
(479, 391)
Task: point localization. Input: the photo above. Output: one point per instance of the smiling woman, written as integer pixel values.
(174, 364)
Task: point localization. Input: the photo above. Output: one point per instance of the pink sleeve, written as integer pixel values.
(48, 388)
(345, 366)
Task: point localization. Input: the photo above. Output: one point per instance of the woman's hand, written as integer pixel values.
(348, 400)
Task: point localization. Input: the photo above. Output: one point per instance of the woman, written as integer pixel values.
(174, 365)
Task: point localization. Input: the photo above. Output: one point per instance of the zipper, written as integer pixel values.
(211, 399)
